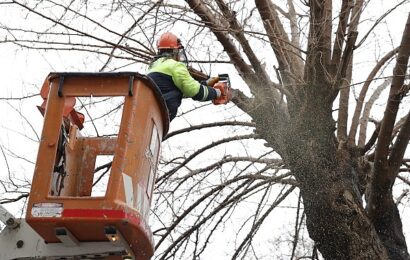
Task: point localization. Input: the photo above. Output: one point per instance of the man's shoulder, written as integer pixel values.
(173, 62)
(168, 66)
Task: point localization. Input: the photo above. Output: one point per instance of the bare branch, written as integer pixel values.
(343, 112)
(201, 150)
(76, 30)
(18, 98)
(205, 14)
(260, 221)
(202, 126)
(11, 200)
(389, 118)
(366, 111)
(378, 21)
(185, 213)
(295, 31)
(128, 31)
(372, 139)
(221, 206)
(362, 95)
(297, 225)
(400, 145)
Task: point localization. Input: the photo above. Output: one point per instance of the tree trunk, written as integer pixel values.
(336, 219)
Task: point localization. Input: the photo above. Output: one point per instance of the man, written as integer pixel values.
(169, 71)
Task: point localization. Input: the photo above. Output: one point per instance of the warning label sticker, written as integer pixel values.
(47, 210)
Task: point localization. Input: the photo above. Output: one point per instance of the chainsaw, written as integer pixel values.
(224, 85)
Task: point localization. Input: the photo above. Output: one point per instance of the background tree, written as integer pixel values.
(300, 93)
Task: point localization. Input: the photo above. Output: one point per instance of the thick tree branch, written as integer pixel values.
(389, 118)
(344, 67)
(290, 64)
(382, 209)
(372, 140)
(362, 95)
(366, 112)
(295, 31)
(399, 147)
(356, 13)
(319, 45)
(298, 223)
(343, 112)
(341, 31)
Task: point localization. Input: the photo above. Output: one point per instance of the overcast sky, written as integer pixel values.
(22, 73)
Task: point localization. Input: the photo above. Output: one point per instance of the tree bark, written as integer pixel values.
(336, 219)
(381, 206)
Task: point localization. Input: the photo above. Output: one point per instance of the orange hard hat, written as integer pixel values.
(169, 41)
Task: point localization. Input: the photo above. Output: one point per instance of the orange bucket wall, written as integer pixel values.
(135, 150)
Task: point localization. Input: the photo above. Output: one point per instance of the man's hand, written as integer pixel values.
(212, 81)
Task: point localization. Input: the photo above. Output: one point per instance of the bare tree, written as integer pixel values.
(310, 145)
(295, 117)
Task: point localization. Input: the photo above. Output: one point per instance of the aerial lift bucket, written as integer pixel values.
(61, 208)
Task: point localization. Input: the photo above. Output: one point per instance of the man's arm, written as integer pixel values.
(190, 87)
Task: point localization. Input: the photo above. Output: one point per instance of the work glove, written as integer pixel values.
(212, 81)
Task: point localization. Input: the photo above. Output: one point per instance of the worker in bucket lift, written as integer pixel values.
(169, 71)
